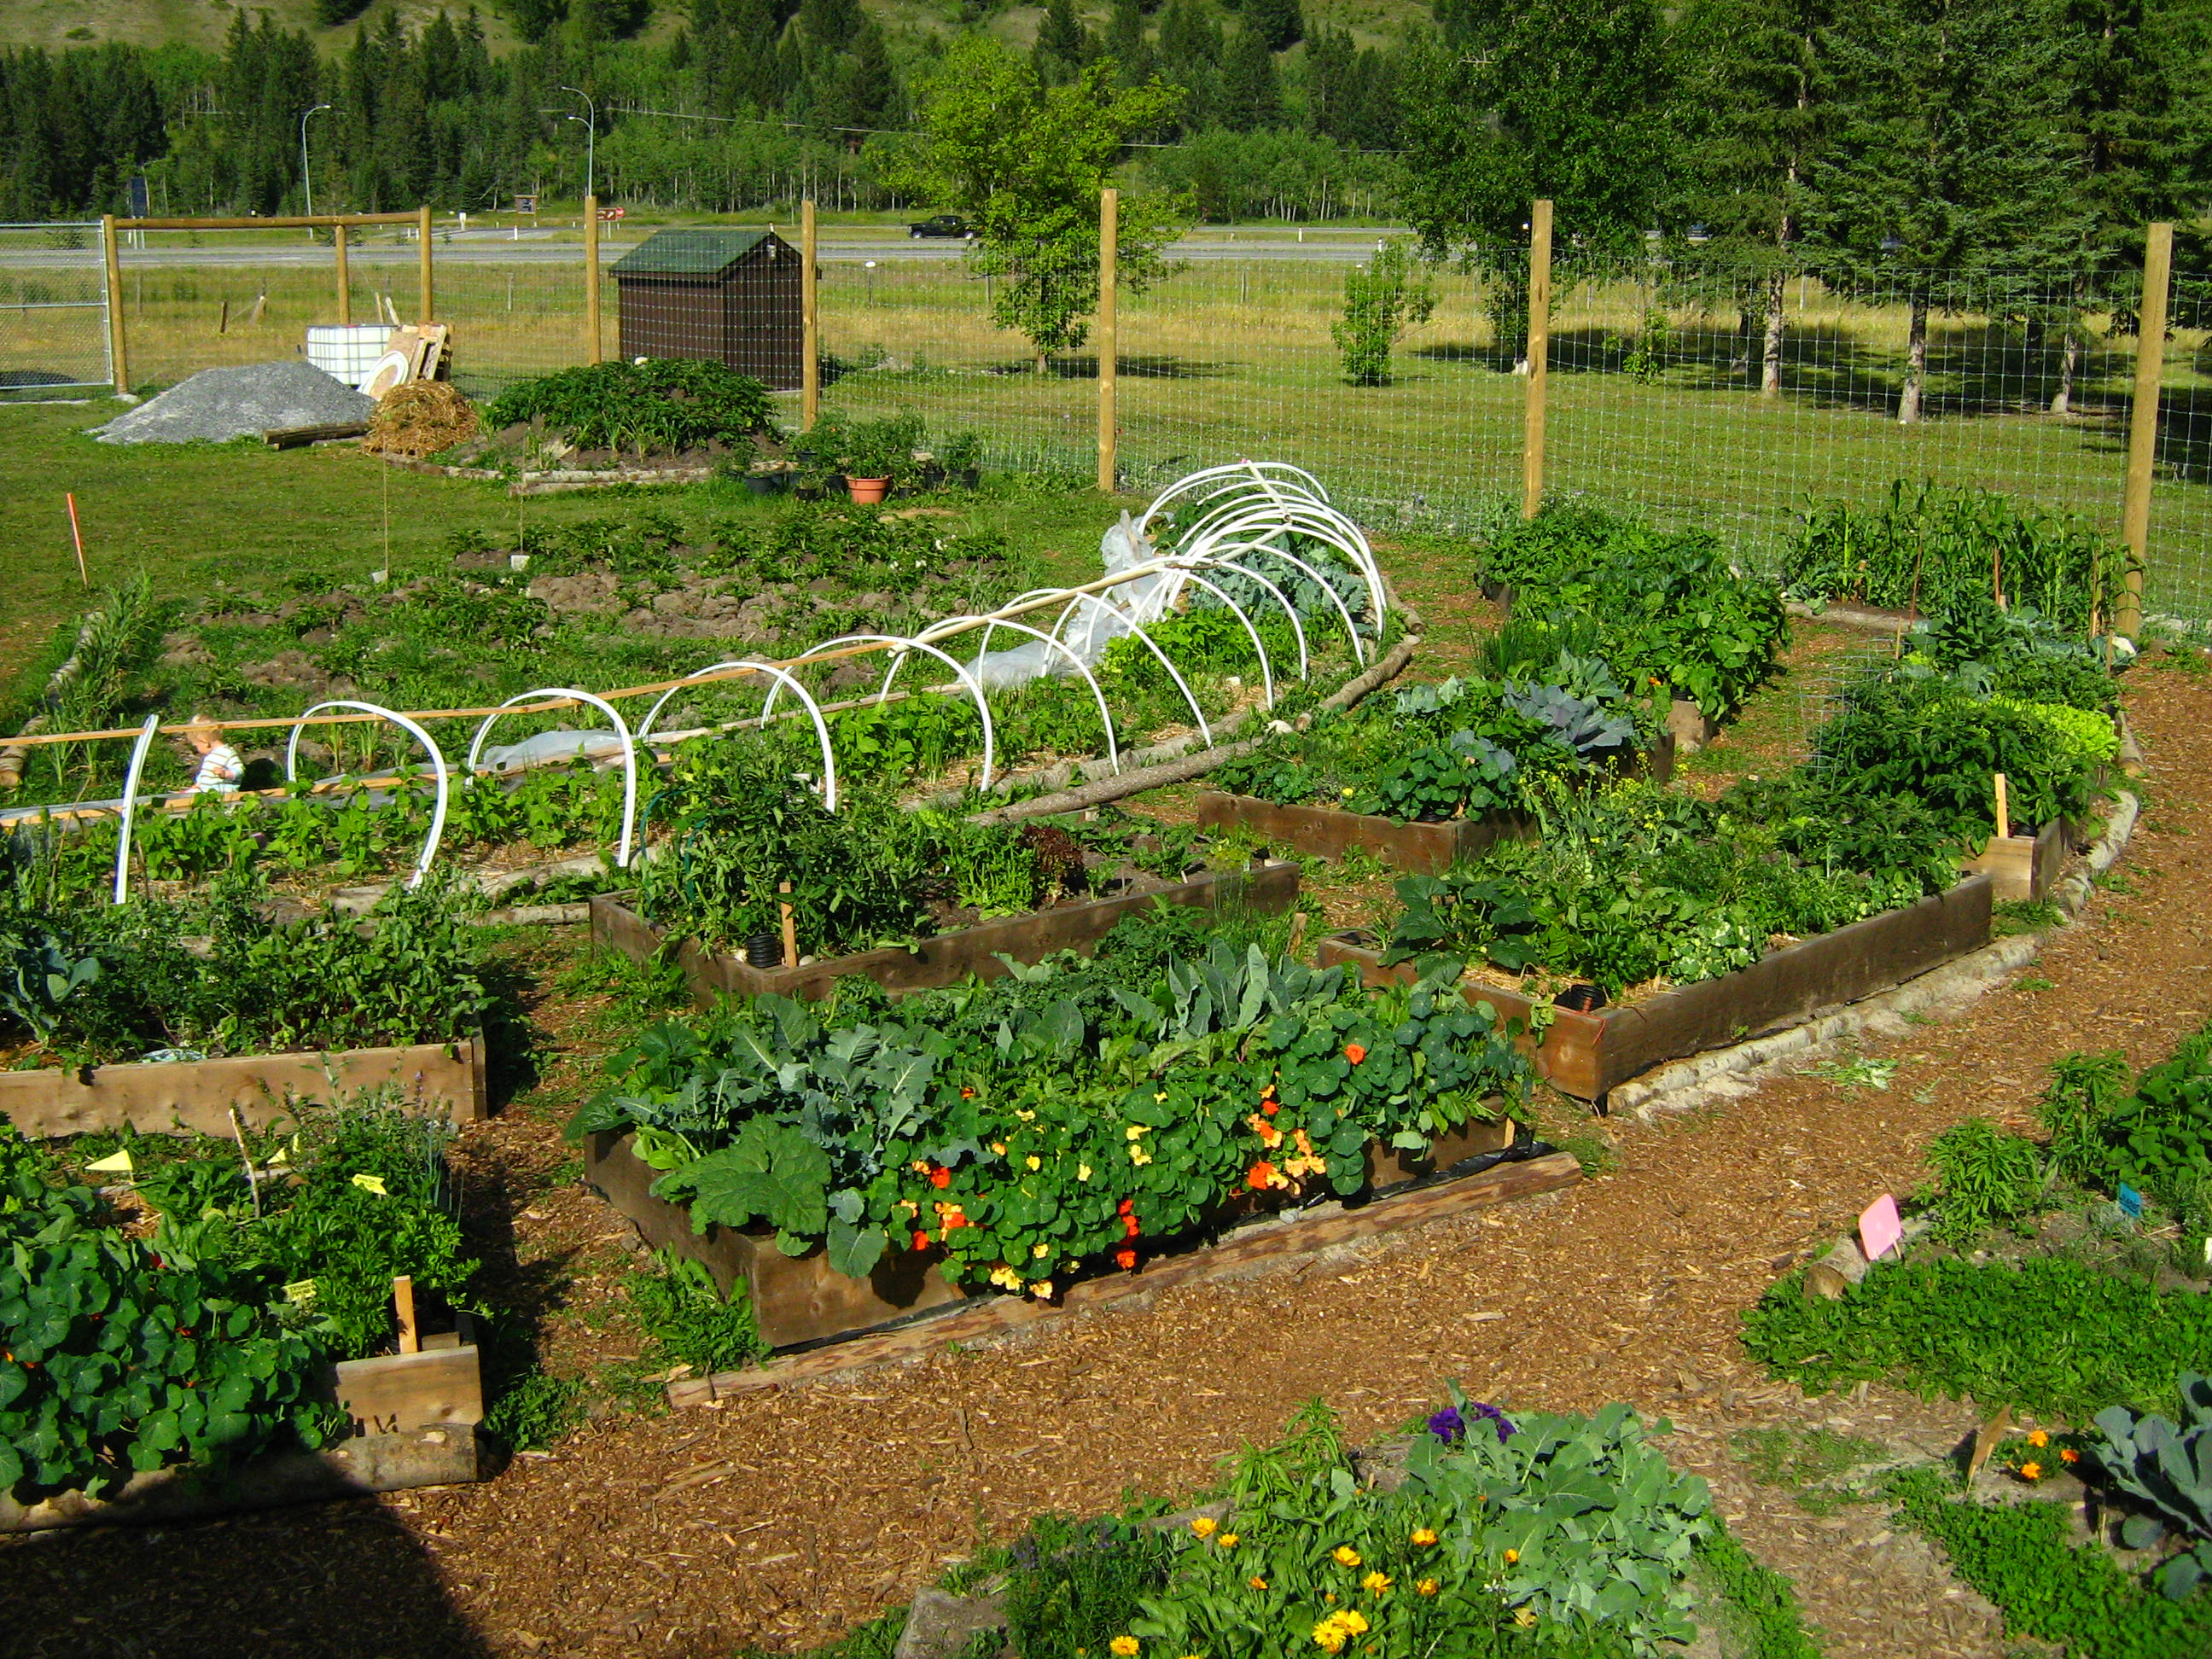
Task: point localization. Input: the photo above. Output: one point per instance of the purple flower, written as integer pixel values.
(1493, 1415)
(1448, 1425)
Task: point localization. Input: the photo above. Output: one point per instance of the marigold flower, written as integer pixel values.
(1424, 1536)
(1376, 1584)
(1227, 1540)
(1426, 1587)
(2038, 1439)
(2068, 1455)
(2031, 1471)
(1204, 1526)
(1124, 1647)
(1262, 1172)
(1256, 1582)
(940, 1177)
(1355, 1053)
(1126, 1259)
(1354, 1621)
(1512, 1556)
(1345, 1556)
(1330, 1637)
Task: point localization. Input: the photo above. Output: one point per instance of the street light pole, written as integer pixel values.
(306, 174)
(591, 137)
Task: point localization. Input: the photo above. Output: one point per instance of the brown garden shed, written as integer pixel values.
(727, 297)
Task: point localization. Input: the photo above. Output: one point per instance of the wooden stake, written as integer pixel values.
(1985, 1442)
(345, 279)
(2142, 424)
(790, 928)
(118, 359)
(76, 535)
(810, 323)
(402, 1303)
(423, 234)
(2004, 810)
(238, 1134)
(223, 321)
(1109, 343)
(1540, 354)
(591, 279)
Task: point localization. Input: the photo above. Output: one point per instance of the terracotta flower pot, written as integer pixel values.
(867, 491)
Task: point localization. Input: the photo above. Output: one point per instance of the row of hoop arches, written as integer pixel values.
(1241, 510)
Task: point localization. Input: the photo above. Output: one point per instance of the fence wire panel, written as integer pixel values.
(2179, 580)
(516, 303)
(195, 299)
(915, 335)
(53, 309)
(1677, 402)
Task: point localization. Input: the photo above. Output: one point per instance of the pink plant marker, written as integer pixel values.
(1879, 1229)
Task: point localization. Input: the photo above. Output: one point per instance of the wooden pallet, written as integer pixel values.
(1588, 1054)
(948, 959)
(1248, 1250)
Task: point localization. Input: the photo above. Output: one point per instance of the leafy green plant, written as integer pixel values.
(1075, 1585)
(666, 403)
(2166, 1467)
(1383, 300)
(1985, 1176)
(690, 1321)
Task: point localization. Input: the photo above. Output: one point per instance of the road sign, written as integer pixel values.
(525, 204)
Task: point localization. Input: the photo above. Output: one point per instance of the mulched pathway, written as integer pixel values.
(779, 1519)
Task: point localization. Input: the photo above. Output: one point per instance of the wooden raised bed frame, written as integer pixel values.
(2024, 868)
(799, 1300)
(198, 1095)
(1588, 1055)
(948, 959)
(1418, 848)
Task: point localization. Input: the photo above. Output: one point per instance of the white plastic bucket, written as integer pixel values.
(347, 354)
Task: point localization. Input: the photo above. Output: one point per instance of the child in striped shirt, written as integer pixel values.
(219, 766)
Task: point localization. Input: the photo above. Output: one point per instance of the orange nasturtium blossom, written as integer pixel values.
(939, 1176)
(921, 1240)
(1126, 1260)
(1355, 1053)
(1262, 1172)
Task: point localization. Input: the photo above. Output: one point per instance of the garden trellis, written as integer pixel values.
(1263, 523)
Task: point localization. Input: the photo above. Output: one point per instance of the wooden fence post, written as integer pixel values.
(423, 234)
(1109, 338)
(591, 279)
(118, 365)
(345, 278)
(810, 323)
(1540, 354)
(2142, 424)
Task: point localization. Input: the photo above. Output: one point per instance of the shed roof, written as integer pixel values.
(690, 252)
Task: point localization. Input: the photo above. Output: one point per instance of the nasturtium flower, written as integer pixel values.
(1204, 1526)
(1040, 1251)
(1041, 1289)
(1083, 1172)
(1134, 1131)
(1035, 1162)
(1525, 1617)
(940, 1177)
(1355, 1052)
(1346, 1555)
(921, 1240)
(1124, 1647)
(369, 1183)
(1126, 1260)
(1263, 1174)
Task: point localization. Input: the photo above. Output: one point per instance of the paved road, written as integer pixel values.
(539, 247)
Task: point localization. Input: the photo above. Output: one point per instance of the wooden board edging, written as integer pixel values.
(1278, 1238)
(946, 958)
(1588, 1054)
(198, 1096)
(2024, 868)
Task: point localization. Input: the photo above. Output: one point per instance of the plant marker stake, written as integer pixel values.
(76, 535)
(1985, 1441)
(252, 1181)
(2004, 809)
(790, 933)
(402, 1303)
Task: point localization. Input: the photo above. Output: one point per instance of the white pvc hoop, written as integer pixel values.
(1266, 673)
(129, 805)
(621, 731)
(900, 645)
(1105, 713)
(782, 678)
(437, 761)
(1298, 629)
(1138, 629)
(1343, 610)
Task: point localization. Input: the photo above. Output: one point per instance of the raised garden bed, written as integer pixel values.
(199, 1095)
(949, 957)
(801, 1300)
(1419, 848)
(1587, 1055)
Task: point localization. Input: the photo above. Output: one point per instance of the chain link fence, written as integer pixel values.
(53, 311)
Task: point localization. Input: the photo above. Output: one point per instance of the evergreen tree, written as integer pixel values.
(1952, 169)
(1126, 44)
(1250, 97)
(1331, 86)
(1189, 56)
(1279, 22)
(1749, 131)
(1566, 102)
(830, 23)
(872, 91)
(1062, 44)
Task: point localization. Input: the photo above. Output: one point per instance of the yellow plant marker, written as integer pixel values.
(119, 1164)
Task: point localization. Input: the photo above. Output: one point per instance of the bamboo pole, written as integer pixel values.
(2142, 424)
(423, 234)
(1540, 354)
(118, 365)
(591, 279)
(1109, 340)
(345, 278)
(810, 323)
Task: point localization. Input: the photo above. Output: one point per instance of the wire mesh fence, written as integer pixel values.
(53, 310)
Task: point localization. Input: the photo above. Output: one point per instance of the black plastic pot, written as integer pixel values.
(1579, 999)
(764, 950)
(768, 484)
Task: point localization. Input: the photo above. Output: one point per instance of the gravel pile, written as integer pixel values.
(218, 404)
